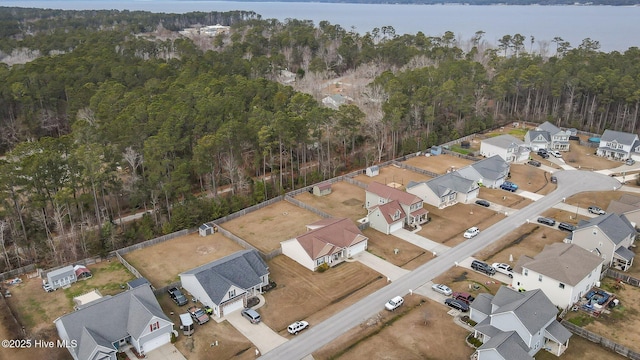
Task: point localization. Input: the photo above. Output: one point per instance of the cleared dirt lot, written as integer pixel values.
(393, 174)
(345, 201)
(267, 227)
(162, 263)
(439, 164)
(597, 198)
(504, 198)
(408, 257)
(531, 178)
(584, 157)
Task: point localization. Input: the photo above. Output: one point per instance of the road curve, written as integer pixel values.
(570, 182)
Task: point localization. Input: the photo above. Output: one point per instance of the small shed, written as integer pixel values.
(206, 229)
(82, 272)
(62, 277)
(322, 189)
(138, 282)
(85, 299)
(436, 150)
(186, 324)
(373, 171)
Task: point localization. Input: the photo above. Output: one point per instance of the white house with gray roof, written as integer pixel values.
(62, 277)
(564, 272)
(227, 283)
(516, 325)
(490, 172)
(627, 205)
(510, 148)
(610, 236)
(107, 326)
(445, 190)
(537, 139)
(559, 138)
(618, 145)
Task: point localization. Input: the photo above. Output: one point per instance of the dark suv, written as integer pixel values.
(543, 153)
(535, 163)
(457, 304)
(177, 297)
(546, 221)
(483, 267)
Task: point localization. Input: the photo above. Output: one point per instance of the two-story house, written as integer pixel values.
(516, 325)
(617, 145)
(508, 147)
(609, 236)
(490, 172)
(547, 136)
(445, 190)
(627, 205)
(379, 194)
(564, 272)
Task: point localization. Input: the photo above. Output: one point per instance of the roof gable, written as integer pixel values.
(494, 167)
(451, 182)
(537, 136)
(618, 136)
(549, 127)
(504, 141)
(566, 263)
(334, 235)
(389, 212)
(387, 192)
(533, 308)
(616, 227)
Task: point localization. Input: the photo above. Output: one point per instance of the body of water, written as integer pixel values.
(614, 27)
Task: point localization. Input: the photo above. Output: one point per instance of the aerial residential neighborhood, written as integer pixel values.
(433, 246)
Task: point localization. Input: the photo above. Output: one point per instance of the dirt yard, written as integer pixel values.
(504, 198)
(408, 257)
(531, 178)
(267, 227)
(302, 294)
(596, 198)
(162, 263)
(439, 164)
(345, 200)
(583, 157)
(417, 330)
(392, 174)
(580, 348)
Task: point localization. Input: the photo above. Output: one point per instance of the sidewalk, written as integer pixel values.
(384, 267)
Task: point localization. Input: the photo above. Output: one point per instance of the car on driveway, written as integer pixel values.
(297, 326)
(442, 289)
(251, 315)
(543, 153)
(503, 268)
(546, 221)
(484, 203)
(471, 232)
(596, 210)
(509, 186)
(629, 162)
(457, 304)
(463, 296)
(535, 163)
(177, 297)
(566, 226)
(198, 315)
(394, 303)
(555, 153)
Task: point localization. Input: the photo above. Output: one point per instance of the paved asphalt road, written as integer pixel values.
(569, 182)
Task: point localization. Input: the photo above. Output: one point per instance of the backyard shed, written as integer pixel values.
(82, 272)
(62, 277)
(205, 229)
(373, 171)
(322, 189)
(436, 150)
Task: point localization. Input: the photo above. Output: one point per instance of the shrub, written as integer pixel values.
(322, 268)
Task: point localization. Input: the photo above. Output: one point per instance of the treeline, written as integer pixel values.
(485, 2)
(105, 120)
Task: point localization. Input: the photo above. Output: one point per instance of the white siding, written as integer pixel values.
(488, 150)
(192, 285)
(508, 321)
(357, 248)
(424, 192)
(156, 339)
(292, 249)
(592, 238)
(378, 222)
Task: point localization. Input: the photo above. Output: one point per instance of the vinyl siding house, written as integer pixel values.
(516, 325)
(387, 218)
(617, 145)
(510, 148)
(445, 190)
(490, 172)
(609, 236)
(629, 206)
(559, 138)
(227, 283)
(414, 212)
(109, 325)
(62, 277)
(564, 272)
(537, 139)
(328, 241)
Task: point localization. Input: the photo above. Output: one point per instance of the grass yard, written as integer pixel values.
(393, 174)
(345, 201)
(438, 164)
(417, 330)
(408, 257)
(267, 227)
(162, 263)
(313, 296)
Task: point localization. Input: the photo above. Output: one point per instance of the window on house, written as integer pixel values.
(526, 272)
(539, 277)
(154, 326)
(232, 293)
(320, 261)
(561, 286)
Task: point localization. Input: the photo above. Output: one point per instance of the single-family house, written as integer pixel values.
(559, 138)
(387, 217)
(445, 190)
(335, 101)
(322, 189)
(537, 140)
(379, 194)
(510, 148)
(226, 284)
(62, 277)
(372, 171)
(205, 229)
(629, 206)
(328, 241)
(107, 326)
(564, 272)
(610, 236)
(490, 172)
(618, 145)
(516, 325)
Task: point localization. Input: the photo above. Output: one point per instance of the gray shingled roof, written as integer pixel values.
(616, 227)
(482, 303)
(494, 167)
(451, 182)
(625, 253)
(533, 134)
(534, 309)
(619, 136)
(509, 345)
(243, 269)
(625, 204)
(566, 263)
(504, 141)
(558, 332)
(60, 273)
(549, 127)
(138, 282)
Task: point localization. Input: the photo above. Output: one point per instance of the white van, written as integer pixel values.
(186, 324)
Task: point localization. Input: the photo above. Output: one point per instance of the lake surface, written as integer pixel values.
(615, 27)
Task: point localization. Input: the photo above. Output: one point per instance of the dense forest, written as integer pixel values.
(104, 113)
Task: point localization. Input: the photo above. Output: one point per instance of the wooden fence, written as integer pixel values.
(622, 276)
(299, 203)
(602, 341)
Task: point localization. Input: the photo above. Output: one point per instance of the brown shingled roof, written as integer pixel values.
(390, 193)
(567, 263)
(333, 236)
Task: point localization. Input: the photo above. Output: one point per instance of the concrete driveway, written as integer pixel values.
(259, 334)
(384, 267)
(420, 241)
(164, 352)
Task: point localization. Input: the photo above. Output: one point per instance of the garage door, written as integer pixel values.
(358, 248)
(232, 306)
(396, 226)
(156, 342)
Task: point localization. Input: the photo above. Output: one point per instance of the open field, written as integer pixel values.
(389, 174)
(416, 330)
(267, 227)
(162, 263)
(409, 256)
(439, 164)
(345, 201)
(302, 294)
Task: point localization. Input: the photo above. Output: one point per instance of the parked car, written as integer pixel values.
(566, 227)
(297, 326)
(629, 162)
(251, 315)
(503, 269)
(546, 221)
(542, 152)
(177, 297)
(554, 179)
(463, 296)
(457, 304)
(484, 203)
(535, 163)
(482, 267)
(471, 232)
(596, 210)
(509, 186)
(394, 303)
(544, 155)
(47, 287)
(198, 315)
(442, 289)
(555, 153)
